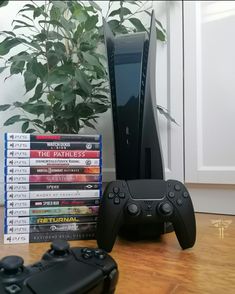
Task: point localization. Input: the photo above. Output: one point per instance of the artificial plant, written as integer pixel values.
(61, 60)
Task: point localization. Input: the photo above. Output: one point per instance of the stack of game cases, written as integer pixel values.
(52, 187)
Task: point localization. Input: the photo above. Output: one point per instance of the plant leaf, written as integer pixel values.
(166, 113)
(7, 44)
(2, 68)
(4, 107)
(120, 11)
(113, 24)
(95, 5)
(90, 59)
(12, 120)
(17, 67)
(30, 80)
(24, 126)
(83, 81)
(38, 93)
(91, 22)
(3, 3)
(160, 35)
(88, 124)
(38, 69)
(138, 24)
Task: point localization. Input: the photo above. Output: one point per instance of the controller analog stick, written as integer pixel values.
(60, 247)
(11, 264)
(132, 209)
(165, 208)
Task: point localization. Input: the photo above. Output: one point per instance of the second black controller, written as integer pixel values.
(146, 202)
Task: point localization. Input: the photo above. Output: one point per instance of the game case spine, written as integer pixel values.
(49, 219)
(21, 145)
(26, 170)
(48, 138)
(85, 210)
(52, 186)
(77, 227)
(52, 154)
(52, 178)
(59, 194)
(46, 237)
(52, 162)
(50, 203)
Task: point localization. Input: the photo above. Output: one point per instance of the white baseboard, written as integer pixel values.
(212, 198)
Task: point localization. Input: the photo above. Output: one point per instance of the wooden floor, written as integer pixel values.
(161, 266)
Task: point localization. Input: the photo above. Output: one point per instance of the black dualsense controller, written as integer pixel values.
(145, 202)
(62, 270)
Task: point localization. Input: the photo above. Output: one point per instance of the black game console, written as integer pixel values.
(146, 202)
(62, 270)
(132, 66)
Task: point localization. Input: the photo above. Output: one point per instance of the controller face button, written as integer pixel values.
(111, 195)
(171, 194)
(121, 194)
(179, 201)
(185, 194)
(177, 187)
(116, 200)
(115, 190)
(132, 209)
(166, 208)
(13, 289)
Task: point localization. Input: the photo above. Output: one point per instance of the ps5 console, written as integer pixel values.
(131, 63)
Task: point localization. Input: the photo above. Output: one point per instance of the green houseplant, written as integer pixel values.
(61, 61)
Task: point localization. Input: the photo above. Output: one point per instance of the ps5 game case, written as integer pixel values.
(53, 186)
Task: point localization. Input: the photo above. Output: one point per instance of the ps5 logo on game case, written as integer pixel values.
(88, 146)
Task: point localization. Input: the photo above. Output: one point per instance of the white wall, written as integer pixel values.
(209, 52)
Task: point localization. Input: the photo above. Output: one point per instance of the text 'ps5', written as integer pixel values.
(131, 62)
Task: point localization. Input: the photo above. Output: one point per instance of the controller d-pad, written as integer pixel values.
(13, 289)
(121, 194)
(110, 195)
(116, 200)
(115, 190)
(116, 195)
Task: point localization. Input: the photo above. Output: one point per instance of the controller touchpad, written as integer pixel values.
(65, 278)
(147, 189)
